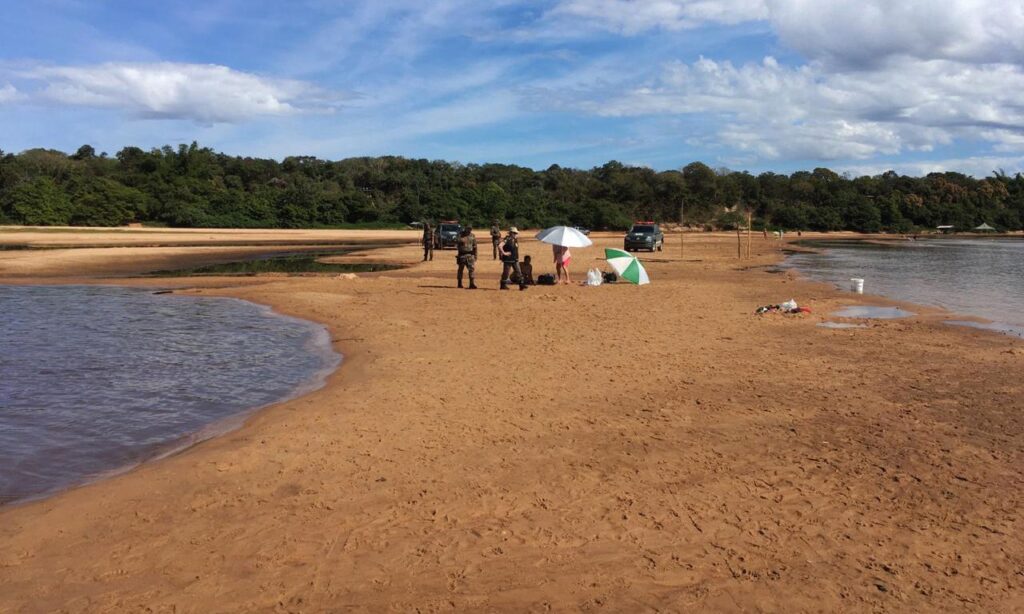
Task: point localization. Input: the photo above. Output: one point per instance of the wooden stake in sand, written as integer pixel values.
(682, 232)
(748, 233)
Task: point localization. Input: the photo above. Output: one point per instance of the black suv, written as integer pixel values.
(644, 235)
(446, 234)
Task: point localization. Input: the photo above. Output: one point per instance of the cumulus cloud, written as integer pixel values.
(879, 77)
(202, 92)
(870, 32)
(634, 16)
(860, 33)
(772, 111)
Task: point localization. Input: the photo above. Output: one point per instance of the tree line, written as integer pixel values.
(193, 186)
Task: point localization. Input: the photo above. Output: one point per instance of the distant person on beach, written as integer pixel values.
(467, 256)
(509, 250)
(495, 239)
(526, 266)
(562, 258)
(428, 242)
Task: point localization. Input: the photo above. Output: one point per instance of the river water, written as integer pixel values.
(976, 277)
(95, 379)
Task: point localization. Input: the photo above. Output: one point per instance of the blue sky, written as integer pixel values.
(756, 85)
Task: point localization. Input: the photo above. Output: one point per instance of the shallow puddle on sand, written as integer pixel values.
(872, 312)
(841, 325)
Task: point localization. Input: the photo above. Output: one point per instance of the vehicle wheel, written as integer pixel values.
(661, 246)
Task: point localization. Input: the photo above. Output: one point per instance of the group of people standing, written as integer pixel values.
(507, 249)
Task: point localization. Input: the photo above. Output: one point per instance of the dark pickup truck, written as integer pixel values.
(446, 234)
(644, 235)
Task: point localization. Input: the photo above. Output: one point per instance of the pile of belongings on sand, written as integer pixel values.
(789, 306)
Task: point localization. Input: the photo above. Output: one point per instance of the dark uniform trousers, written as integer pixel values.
(428, 250)
(506, 267)
(510, 262)
(467, 259)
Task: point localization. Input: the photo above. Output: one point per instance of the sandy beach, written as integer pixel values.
(618, 449)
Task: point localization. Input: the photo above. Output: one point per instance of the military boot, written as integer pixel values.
(472, 285)
(504, 285)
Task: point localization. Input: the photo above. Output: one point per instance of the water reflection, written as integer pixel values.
(304, 262)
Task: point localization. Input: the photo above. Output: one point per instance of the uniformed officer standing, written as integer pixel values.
(510, 259)
(467, 256)
(428, 242)
(495, 239)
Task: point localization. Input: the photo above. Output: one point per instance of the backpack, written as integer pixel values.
(547, 279)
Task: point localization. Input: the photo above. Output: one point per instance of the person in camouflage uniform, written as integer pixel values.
(495, 239)
(467, 256)
(510, 259)
(428, 242)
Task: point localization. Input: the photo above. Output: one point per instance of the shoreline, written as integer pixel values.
(319, 345)
(571, 496)
(954, 317)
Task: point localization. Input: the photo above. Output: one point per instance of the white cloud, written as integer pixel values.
(634, 16)
(1005, 140)
(869, 32)
(859, 33)
(8, 93)
(978, 166)
(201, 92)
(771, 111)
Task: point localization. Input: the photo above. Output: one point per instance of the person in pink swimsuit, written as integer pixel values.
(562, 258)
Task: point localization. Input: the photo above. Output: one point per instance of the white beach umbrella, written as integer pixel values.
(564, 236)
(627, 266)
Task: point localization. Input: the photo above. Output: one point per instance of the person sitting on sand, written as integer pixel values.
(526, 266)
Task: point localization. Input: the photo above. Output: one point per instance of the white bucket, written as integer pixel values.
(857, 285)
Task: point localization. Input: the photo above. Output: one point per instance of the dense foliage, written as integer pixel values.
(194, 186)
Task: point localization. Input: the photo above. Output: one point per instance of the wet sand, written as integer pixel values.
(564, 448)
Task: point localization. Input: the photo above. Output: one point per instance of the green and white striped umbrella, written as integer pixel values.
(627, 266)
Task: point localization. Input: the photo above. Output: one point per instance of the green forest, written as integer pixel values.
(193, 186)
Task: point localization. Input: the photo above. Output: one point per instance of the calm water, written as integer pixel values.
(979, 277)
(97, 379)
(305, 262)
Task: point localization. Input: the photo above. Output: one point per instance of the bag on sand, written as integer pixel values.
(610, 278)
(547, 279)
(594, 277)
